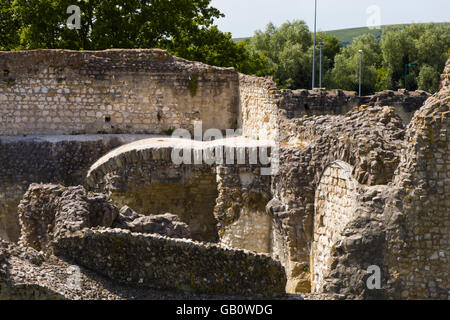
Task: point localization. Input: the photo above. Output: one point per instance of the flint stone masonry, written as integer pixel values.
(168, 224)
(66, 221)
(150, 91)
(112, 91)
(422, 255)
(264, 108)
(298, 103)
(143, 176)
(251, 231)
(240, 208)
(335, 204)
(47, 211)
(163, 263)
(400, 223)
(22, 270)
(369, 139)
(46, 159)
(259, 100)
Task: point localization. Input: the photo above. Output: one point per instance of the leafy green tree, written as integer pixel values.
(112, 23)
(183, 27)
(346, 68)
(432, 46)
(255, 62)
(332, 47)
(422, 44)
(9, 37)
(289, 52)
(384, 79)
(41, 23)
(428, 79)
(294, 67)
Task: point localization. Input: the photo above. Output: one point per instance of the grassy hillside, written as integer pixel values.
(347, 35)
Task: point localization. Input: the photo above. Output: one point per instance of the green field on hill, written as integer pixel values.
(347, 35)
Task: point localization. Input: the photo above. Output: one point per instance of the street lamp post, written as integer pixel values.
(314, 46)
(321, 45)
(407, 71)
(360, 70)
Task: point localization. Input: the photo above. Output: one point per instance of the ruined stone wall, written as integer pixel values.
(163, 263)
(298, 103)
(207, 197)
(399, 225)
(85, 228)
(335, 206)
(322, 230)
(220, 202)
(150, 91)
(421, 255)
(259, 99)
(150, 183)
(240, 208)
(369, 139)
(113, 91)
(63, 159)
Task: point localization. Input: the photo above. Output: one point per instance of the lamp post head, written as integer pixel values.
(360, 51)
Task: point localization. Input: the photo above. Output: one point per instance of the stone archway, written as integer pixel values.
(335, 204)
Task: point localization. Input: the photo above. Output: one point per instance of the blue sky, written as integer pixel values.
(243, 17)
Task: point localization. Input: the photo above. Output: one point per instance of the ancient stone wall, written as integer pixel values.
(259, 98)
(45, 159)
(240, 208)
(335, 206)
(367, 138)
(149, 182)
(298, 103)
(77, 226)
(398, 225)
(421, 255)
(145, 177)
(163, 263)
(150, 91)
(113, 91)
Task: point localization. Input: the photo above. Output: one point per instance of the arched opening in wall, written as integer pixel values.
(335, 202)
(187, 191)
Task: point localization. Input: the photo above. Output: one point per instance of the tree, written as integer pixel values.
(183, 27)
(423, 44)
(289, 52)
(346, 69)
(384, 79)
(255, 62)
(428, 79)
(332, 47)
(8, 26)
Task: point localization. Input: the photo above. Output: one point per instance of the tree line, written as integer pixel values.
(186, 29)
(416, 54)
(183, 27)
